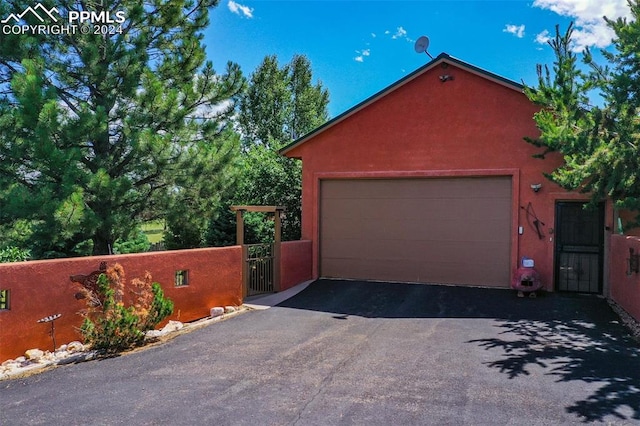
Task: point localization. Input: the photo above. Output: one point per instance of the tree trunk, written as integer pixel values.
(103, 234)
(102, 244)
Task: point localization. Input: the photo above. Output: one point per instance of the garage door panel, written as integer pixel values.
(422, 230)
(415, 271)
(395, 229)
(379, 208)
(397, 189)
(451, 209)
(413, 244)
(477, 253)
(441, 230)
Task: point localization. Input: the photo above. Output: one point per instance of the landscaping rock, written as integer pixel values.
(75, 346)
(629, 321)
(76, 352)
(49, 357)
(153, 334)
(61, 355)
(216, 312)
(229, 309)
(169, 328)
(8, 370)
(77, 357)
(172, 326)
(33, 354)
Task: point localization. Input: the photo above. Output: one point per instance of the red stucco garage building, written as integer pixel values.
(430, 180)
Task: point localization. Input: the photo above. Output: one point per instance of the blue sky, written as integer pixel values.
(358, 48)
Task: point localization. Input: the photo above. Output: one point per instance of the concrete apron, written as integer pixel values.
(266, 301)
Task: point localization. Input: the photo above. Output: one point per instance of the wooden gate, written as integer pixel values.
(261, 272)
(259, 267)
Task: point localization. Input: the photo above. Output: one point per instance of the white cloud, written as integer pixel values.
(240, 9)
(590, 27)
(211, 112)
(400, 33)
(543, 37)
(362, 54)
(516, 30)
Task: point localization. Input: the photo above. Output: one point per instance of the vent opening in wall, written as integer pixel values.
(182, 278)
(4, 300)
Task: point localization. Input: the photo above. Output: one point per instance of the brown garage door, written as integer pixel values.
(453, 230)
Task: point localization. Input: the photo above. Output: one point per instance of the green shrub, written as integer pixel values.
(111, 326)
(14, 254)
(137, 243)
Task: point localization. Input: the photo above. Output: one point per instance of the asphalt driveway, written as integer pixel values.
(362, 353)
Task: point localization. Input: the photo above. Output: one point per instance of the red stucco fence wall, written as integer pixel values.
(625, 286)
(42, 288)
(295, 263)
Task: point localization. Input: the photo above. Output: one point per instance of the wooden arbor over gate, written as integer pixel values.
(261, 266)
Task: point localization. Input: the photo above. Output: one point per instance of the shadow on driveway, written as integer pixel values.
(575, 338)
(375, 354)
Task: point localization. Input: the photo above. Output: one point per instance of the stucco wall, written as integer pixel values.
(469, 126)
(42, 288)
(295, 263)
(625, 287)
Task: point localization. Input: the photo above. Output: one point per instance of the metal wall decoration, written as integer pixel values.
(52, 332)
(533, 221)
(90, 281)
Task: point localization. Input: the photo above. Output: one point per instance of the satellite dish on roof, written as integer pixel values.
(422, 44)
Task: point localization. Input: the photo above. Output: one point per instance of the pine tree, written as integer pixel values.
(600, 144)
(280, 105)
(98, 131)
